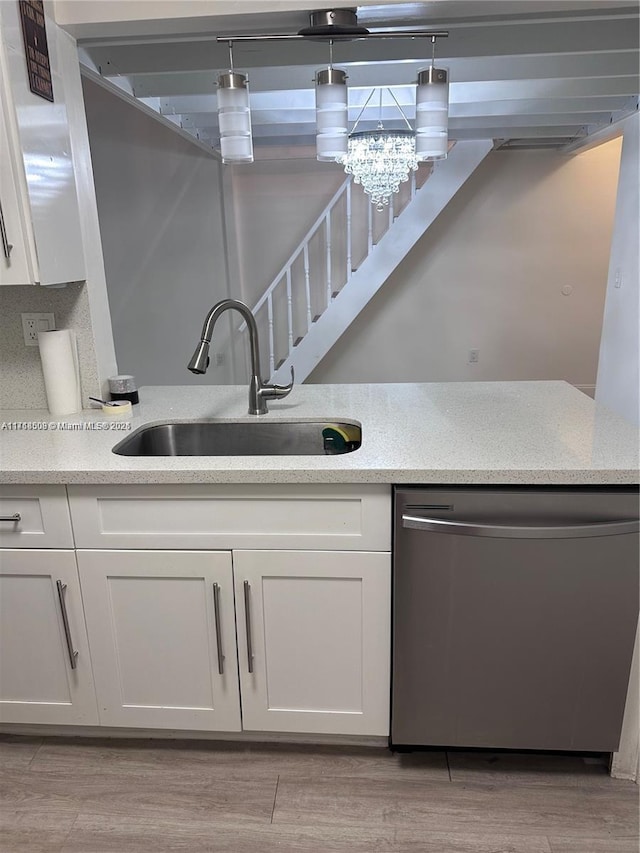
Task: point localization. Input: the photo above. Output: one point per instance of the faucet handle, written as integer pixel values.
(276, 392)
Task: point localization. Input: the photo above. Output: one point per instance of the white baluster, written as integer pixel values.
(307, 284)
(289, 310)
(272, 359)
(413, 184)
(391, 205)
(370, 227)
(348, 231)
(327, 232)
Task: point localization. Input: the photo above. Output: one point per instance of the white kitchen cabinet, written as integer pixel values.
(225, 517)
(42, 679)
(17, 251)
(35, 517)
(163, 651)
(314, 640)
(38, 191)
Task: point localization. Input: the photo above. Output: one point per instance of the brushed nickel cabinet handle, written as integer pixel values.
(15, 518)
(73, 654)
(503, 531)
(6, 245)
(247, 624)
(216, 611)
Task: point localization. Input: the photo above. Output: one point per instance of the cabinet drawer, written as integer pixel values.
(43, 522)
(346, 518)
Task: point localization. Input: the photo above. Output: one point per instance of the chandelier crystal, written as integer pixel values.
(380, 160)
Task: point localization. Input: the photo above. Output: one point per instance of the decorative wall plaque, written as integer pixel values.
(36, 49)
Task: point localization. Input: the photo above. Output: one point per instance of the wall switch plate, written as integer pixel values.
(32, 324)
(474, 356)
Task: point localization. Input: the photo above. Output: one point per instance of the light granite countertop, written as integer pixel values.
(441, 433)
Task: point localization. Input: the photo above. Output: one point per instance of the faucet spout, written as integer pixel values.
(259, 392)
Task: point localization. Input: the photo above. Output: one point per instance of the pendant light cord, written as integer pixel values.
(366, 104)
(402, 113)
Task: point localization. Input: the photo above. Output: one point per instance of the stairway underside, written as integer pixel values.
(447, 178)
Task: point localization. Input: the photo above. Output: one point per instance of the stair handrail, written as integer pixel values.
(305, 240)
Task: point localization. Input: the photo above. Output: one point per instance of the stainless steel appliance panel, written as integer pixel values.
(515, 613)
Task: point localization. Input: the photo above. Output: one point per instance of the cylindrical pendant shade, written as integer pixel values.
(234, 118)
(331, 114)
(432, 114)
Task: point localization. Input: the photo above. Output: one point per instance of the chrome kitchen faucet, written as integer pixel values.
(259, 392)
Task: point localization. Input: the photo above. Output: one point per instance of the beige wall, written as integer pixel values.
(489, 276)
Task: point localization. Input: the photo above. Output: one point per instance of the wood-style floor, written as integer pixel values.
(90, 796)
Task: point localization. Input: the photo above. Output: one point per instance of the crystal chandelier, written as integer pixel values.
(380, 160)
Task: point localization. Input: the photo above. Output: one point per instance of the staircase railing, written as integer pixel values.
(364, 231)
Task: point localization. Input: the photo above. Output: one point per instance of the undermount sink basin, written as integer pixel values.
(228, 438)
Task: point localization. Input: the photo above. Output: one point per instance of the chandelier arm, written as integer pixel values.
(366, 104)
(402, 113)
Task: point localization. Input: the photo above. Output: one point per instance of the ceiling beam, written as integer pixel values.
(466, 40)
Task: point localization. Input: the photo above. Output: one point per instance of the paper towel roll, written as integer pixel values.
(59, 355)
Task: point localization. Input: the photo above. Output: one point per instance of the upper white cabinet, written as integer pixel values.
(45, 668)
(42, 236)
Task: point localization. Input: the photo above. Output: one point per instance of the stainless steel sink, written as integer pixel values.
(228, 438)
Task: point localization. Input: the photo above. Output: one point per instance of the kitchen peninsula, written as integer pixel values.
(271, 575)
(519, 433)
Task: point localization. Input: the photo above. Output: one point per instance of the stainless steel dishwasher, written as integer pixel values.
(514, 616)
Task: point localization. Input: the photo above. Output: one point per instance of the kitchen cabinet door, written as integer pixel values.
(42, 679)
(42, 211)
(314, 640)
(15, 251)
(162, 634)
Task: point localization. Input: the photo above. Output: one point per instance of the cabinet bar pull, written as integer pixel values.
(6, 245)
(15, 518)
(216, 611)
(73, 654)
(504, 531)
(247, 623)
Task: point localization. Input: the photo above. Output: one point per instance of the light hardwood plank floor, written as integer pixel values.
(101, 796)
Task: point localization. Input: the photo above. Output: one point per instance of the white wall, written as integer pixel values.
(275, 204)
(618, 375)
(618, 371)
(489, 275)
(160, 209)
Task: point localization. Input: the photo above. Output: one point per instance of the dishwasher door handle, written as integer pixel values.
(504, 531)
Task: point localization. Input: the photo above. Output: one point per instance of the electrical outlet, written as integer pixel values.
(218, 359)
(474, 356)
(32, 324)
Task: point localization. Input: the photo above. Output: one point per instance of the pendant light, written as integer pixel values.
(234, 116)
(432, 112)
(331, 112)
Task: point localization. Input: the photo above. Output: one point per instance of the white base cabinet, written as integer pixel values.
(37, 681)
(197, 608)
(162, 634)
(313, 640)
